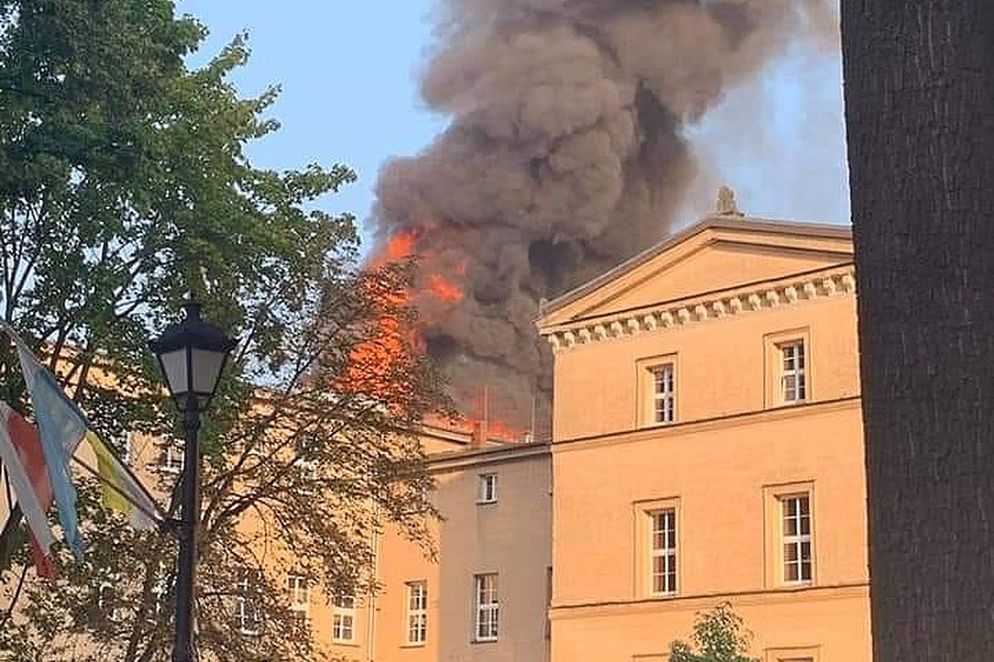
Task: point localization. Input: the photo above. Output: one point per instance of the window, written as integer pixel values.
(417, 612)
(805, 654)
(487, 607)
(797, 558)
(343, 619)
(663, 546)
(160, 590)
(663, 394)
(793, 378)
(655, 390)
(172, 457)
(299, 593)
(247, 617)
(488, 488)
(107, 601)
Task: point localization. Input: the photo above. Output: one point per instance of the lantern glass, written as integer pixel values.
(207, 366)
(174, 365)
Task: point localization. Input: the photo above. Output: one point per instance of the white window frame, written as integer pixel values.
(246, 616)
(172, 457)
(417, 613)
(299, 591)
(793, 372)
(797, 539)
(487, 489)
(107, 592)
(486, 607)
(343, 620)
(663, 385)
(663, 523)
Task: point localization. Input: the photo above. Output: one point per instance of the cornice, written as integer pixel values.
(767, 596)
(454, 460)
(837, 280)
(682, 428)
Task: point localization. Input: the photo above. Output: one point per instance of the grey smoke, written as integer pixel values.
(565, 156)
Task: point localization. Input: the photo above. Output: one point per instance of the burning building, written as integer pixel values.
(565, 156)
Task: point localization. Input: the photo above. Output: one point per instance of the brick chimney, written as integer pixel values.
(480, 427)
(479, 438)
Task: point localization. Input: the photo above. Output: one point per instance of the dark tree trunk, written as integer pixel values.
(920, 115)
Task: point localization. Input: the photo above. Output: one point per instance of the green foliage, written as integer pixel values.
(124, 187)
(718, 637)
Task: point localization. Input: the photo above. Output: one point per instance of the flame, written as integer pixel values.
(442, 289)
(496, 431)
(391, 341)
(399, 247)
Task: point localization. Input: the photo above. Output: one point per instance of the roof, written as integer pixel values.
(714, 221)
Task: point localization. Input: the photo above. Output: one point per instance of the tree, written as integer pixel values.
(919, 109)
(718, 637)
(124, 187)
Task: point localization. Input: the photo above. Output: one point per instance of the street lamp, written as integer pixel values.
(192, 355)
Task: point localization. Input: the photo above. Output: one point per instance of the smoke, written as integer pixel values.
(565, 155)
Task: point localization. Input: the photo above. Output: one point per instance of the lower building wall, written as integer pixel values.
(829, 624)
(510, 537)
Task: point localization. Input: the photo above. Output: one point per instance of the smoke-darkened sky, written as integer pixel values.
(567, 136)
(349, 75)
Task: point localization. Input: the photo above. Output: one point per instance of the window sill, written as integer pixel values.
(345, 642)
(486, 503)
(483, 641)
(664, 424)
(786, 586)
(664, 596)
(414, 645)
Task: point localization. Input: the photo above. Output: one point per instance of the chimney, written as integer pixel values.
(480, 427)
(479, 438)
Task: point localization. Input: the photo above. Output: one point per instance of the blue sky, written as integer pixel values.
(348, 73)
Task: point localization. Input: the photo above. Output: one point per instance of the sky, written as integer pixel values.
(348, 73)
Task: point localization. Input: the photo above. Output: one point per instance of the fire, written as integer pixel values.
(399, 247)
(442, 289)
(379, 363)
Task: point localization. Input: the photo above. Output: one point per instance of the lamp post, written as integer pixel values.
(191, 355)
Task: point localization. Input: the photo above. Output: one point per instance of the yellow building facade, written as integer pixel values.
(708, 447)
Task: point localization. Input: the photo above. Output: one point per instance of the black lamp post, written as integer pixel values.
(192, 355)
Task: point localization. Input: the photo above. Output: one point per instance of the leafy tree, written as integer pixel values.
(124, 188)
(718, 637)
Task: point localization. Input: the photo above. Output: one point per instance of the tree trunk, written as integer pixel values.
(920, 115)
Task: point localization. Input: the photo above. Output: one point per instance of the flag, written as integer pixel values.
(121, 491)
(24, 460)
(61, 426)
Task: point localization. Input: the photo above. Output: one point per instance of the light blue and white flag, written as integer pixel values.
(61, 426)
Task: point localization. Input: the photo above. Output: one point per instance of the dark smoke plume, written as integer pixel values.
(564, 157)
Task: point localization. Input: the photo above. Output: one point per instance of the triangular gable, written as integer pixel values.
(715, 254)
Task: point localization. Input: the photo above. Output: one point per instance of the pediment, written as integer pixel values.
(711, 256)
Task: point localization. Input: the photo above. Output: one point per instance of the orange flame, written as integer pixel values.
(380, 359)
(443, 290)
